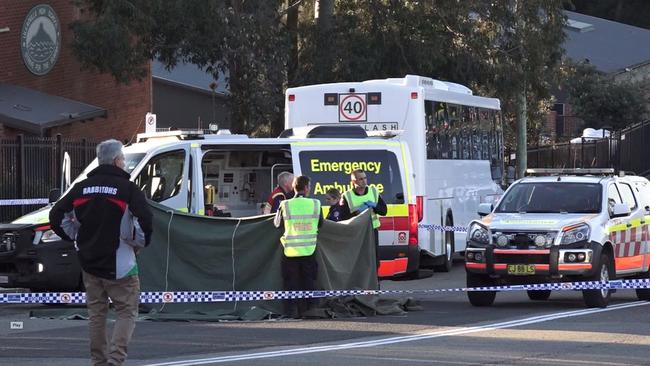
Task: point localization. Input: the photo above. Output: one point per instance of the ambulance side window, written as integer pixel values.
(628, 196)
(162, 177)
(613, 197)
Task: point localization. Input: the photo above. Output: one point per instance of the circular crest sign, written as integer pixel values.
(40, 39)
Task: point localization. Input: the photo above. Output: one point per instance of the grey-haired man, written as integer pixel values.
(108, 218)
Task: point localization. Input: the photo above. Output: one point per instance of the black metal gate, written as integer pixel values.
(626, 150)
(31, 166)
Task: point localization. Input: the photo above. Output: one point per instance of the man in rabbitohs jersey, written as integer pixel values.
(108, 218)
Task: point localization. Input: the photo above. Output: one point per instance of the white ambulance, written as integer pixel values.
(230, 176)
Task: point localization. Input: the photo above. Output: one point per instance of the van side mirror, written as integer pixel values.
(620, 210)
(54, 195)
(485, 209)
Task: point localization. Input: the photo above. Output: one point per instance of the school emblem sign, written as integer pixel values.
(40, 39)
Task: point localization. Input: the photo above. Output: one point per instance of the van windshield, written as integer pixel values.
(130, 162)
(331, 169)
(553, 197)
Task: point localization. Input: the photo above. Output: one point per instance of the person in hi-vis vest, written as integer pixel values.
(363, 197)
(299, 217)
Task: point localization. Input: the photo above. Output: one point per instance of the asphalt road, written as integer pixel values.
(448, 331)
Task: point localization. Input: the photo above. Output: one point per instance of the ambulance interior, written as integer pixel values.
(237, 182)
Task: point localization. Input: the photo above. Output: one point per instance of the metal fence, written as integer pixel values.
(31, 166)
(626, 150)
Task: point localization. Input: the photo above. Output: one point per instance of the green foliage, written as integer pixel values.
(243, 38)
(498, 48)
(600, 101)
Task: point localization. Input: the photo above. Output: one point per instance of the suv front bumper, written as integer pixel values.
(554, 262)
(44, 267)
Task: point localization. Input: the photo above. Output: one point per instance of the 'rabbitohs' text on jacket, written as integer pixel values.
(107, 217)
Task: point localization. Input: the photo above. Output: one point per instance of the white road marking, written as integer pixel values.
(400, 339)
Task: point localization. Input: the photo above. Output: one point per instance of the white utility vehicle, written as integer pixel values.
(573, 225)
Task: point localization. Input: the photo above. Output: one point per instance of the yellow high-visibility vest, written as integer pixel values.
(300, 217)
(354, 202)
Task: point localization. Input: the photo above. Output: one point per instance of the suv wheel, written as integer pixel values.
(480, 298)
(539, 295)
(600, 298)
(644, 293)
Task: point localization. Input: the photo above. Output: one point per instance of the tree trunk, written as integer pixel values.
(292, 27)
(323, 14)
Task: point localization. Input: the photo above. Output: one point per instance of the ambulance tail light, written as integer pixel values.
(413, 224)
(419, 202)
(291, 97)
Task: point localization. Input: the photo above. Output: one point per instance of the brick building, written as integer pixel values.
(44, 91)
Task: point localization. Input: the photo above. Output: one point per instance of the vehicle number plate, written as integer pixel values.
(4, 279)
(521, 269)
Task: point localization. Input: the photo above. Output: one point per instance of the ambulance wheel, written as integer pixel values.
(644, 293)
(600, 298)
(539, 295)
(480, 298)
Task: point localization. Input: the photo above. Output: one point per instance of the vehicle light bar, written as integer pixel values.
(570, 171)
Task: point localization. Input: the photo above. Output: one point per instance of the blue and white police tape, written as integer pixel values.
(434, 227)
(26, 201)
(230, 296)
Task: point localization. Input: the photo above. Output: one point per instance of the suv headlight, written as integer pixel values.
(575, 233)
(45, 236)
(478, 233)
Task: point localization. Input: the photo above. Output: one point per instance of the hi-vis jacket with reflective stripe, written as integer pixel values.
(301, 220)
(355, 201)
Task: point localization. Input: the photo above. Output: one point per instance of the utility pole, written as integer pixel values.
(522, 110)
(522, 130)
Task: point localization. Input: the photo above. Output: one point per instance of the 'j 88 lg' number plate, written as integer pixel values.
(521, 269)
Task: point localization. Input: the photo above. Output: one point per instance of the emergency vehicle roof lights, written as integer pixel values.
(178, 134)
(292, 97)
(414, 95)
(563, 171)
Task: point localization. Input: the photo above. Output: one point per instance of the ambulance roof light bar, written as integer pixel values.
(187, 135)
(570, 171)
(179, 134)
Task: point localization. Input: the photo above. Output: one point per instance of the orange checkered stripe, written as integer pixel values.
(631, 242)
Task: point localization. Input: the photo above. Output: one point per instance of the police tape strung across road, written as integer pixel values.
(26, 201)
(434, 227)
(229, 296)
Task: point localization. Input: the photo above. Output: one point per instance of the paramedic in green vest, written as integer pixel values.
(299, 218)
(362, 197)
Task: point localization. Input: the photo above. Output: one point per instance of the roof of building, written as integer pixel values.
(34, 111)
(189, 76)
(609, 46)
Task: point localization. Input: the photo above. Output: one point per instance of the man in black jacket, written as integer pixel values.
(108, 218)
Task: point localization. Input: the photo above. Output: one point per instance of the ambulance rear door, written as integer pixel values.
(329, 163)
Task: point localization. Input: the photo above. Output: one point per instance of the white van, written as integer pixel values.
(231, 176)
